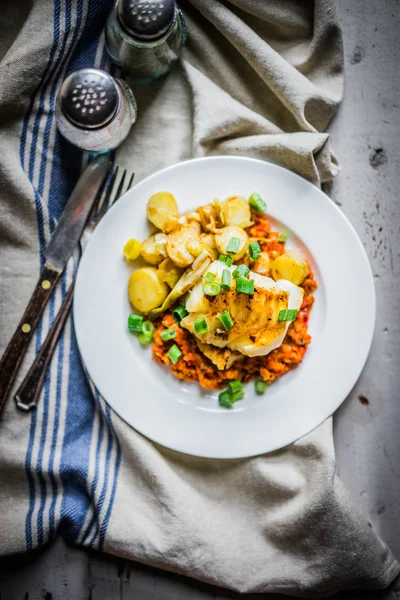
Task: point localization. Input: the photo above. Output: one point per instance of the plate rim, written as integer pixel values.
(324, 198)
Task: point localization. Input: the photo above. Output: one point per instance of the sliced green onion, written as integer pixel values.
(226, 320)
(226, 259)
(235, 396)
(148, 328)
(211, 289)
(179, 313)
(260, 386)
(244, 286)
(135, 322)
(168, 334)
(200, 325)
(224, 399)
(254, 251)
(287, 315)
(282, 237)
(209, 276)
(233, 245)
(226, 279)
(174, 354)
(235, 385)
(241, 271)
(229, 261)
(145, 339)
(257, 203)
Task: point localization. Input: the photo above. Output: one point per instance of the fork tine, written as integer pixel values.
(118, 193)
(106, 200)
(130, 182)
(98, 199)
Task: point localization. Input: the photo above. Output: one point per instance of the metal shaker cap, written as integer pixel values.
(89, 98)
(146, 19)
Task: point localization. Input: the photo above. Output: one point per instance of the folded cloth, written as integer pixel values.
(257, 78)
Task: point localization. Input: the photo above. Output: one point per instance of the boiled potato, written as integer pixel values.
(169, 272)
(162, 211)
(236, 210)
(208, 239)
(177, 244)
(210, 217)
(146, 290)
(262, 264)
(154, 249)
(291, 266)
(224, 236)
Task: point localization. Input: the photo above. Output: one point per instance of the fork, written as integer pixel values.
(28, 394)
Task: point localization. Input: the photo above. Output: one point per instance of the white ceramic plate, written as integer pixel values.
(181, 415)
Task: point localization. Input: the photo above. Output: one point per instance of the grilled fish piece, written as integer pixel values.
(256, 330)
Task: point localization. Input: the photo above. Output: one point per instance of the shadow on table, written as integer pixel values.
(59, 571)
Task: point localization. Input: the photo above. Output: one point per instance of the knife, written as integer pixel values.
(66, 236)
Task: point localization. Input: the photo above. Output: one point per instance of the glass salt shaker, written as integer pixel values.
(95, 111)
(144, 37)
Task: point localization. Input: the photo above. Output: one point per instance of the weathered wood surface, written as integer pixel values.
(367, 427)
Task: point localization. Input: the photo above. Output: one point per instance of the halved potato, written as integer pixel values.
(224, 236)
(236, 210)
(208, 239)
(177, 245)
(146, 290)
(169, 272)
(154, 249)
(291, 266)
(162, 211)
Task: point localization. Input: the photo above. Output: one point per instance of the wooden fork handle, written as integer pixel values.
(19, 343)
(28, 393)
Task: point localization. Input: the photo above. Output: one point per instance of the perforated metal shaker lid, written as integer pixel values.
(89, 98)
(146, 19)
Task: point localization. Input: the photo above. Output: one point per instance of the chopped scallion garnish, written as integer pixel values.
(226, 320)
(254, 251)
(148, 328)
(145, 339)
(209, 276)
(287, 315)
(244, 286)
(257, 203)
(179, 313)
(234, 393)
(200, 325)
(260, 386)
(174, 354)
(282, 237)
(241, 271)
(135, 322)
(235, 385)
(233, 245)
(226, 259)
(224, 399)
(168, 334)
(226, 279)
(211, 288)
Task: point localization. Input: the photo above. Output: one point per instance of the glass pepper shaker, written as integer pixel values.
(95, 111)
(144, 37)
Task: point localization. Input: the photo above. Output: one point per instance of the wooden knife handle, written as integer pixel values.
(19, 343)
(28, 393)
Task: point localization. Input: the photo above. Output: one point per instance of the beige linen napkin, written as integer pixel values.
(257, 78)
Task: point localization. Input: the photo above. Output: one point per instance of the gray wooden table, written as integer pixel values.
(365, 135)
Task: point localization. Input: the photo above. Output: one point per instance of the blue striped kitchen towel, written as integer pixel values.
(257, 78)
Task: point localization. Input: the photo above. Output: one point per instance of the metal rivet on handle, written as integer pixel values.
(26, 328)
